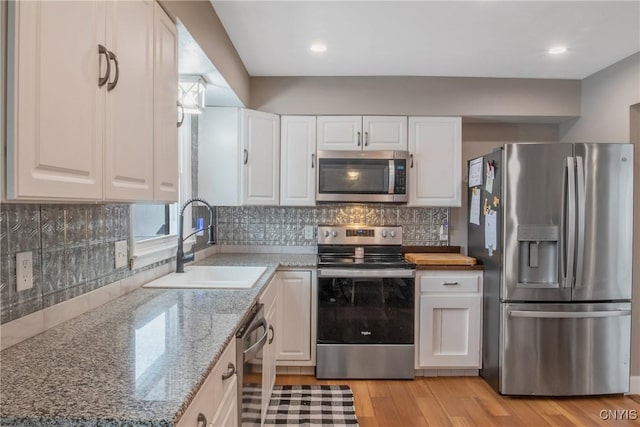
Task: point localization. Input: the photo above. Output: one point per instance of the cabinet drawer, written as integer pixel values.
(449, 283)
(213, 391)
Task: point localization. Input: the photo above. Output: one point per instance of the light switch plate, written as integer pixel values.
(121, 254)
(24, 271)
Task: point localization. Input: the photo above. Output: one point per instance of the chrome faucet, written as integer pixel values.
(181, 258)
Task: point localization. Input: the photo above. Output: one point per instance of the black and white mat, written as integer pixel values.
(305, 405)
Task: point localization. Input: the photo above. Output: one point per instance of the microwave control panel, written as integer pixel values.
(400, 186)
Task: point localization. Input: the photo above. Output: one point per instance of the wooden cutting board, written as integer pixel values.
(439, 259)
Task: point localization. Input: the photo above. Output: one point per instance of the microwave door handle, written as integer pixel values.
(392, 176)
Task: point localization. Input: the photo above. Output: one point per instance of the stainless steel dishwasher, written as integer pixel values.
(250, 339)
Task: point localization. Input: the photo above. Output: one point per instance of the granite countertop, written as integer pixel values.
(137, 360)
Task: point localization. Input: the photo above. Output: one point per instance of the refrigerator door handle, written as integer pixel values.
(570, 229)
(581, 221)
(568, 314)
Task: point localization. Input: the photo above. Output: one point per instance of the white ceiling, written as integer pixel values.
(431, 38)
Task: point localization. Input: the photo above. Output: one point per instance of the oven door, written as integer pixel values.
(362, 306)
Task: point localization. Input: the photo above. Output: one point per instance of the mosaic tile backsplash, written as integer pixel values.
(253, 225)
(73, 245)
(72, 248)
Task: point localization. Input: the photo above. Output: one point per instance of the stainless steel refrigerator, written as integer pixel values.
(553, 227)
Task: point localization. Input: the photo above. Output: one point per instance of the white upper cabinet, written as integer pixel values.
(384, 133)
(368, 133)
(81, 105)
(339, 133)
(129, 118)
(165, 78)
(435, 145)
(56, 109)
(298, 161)
(238, 157)
(260, 136)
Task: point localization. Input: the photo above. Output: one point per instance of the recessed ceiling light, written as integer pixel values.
(557, 50)
(318, 47)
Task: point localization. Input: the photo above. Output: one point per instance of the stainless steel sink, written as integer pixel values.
(210, 277)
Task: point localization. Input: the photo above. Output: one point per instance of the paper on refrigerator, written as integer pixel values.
(474, 210)
(475, 172)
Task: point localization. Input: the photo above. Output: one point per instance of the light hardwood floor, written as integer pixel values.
(469, 401)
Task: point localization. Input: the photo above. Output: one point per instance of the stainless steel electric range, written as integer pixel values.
(366, 302)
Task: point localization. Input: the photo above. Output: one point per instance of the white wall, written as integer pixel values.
(608, 116)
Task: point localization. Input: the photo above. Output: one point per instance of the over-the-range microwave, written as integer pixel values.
(362, 176)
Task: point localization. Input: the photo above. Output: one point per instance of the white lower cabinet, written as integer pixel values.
(215, 404)
(294, 317)
(449, 319)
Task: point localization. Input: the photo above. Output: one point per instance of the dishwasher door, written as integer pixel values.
(565, 349)
(250, 339)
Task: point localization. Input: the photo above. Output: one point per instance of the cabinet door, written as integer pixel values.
(260, 136)
(129, 117)
(435, 145)
(165, 72)
(385, 133)
(340, 133)
(294, 316)
(297, 161)
(449, 331)
(55, 123)
(227, 413)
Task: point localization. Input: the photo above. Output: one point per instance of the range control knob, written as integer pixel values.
(393, 233)
(326, 233)
(384, 234)
(334, 233)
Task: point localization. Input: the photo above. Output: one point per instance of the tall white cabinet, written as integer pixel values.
(81, 117)
(435, 149)
(165, 114)
(129, 112)
(239, 157)
(56, 126)
(298, 161)
(368, 133)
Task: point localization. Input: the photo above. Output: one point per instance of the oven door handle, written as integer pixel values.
(252, 351)
(366, 273)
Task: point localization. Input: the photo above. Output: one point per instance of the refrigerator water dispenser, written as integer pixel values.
(538, 254)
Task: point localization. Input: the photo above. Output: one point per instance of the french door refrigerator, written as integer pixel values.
(554, 232)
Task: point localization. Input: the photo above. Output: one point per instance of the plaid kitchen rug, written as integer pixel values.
(305, 405)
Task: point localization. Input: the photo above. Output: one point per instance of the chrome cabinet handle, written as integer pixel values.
(246, 156)
(273, 334)
(112, 85)
(202, 420)
(104, 79)
(359, 138)
(411, 157)
(313, 161)
(181, 107)
(451, 283)
(231, 372)
(366, 139)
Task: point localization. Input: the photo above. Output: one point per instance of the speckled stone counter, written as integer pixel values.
(136, 361)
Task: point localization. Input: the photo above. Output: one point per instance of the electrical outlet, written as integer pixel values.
(308, 232)
(24, 271)
(121, 254)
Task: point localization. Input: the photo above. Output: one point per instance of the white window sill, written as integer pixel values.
(158, 249)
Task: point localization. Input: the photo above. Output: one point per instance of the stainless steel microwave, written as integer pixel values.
(362, 176)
